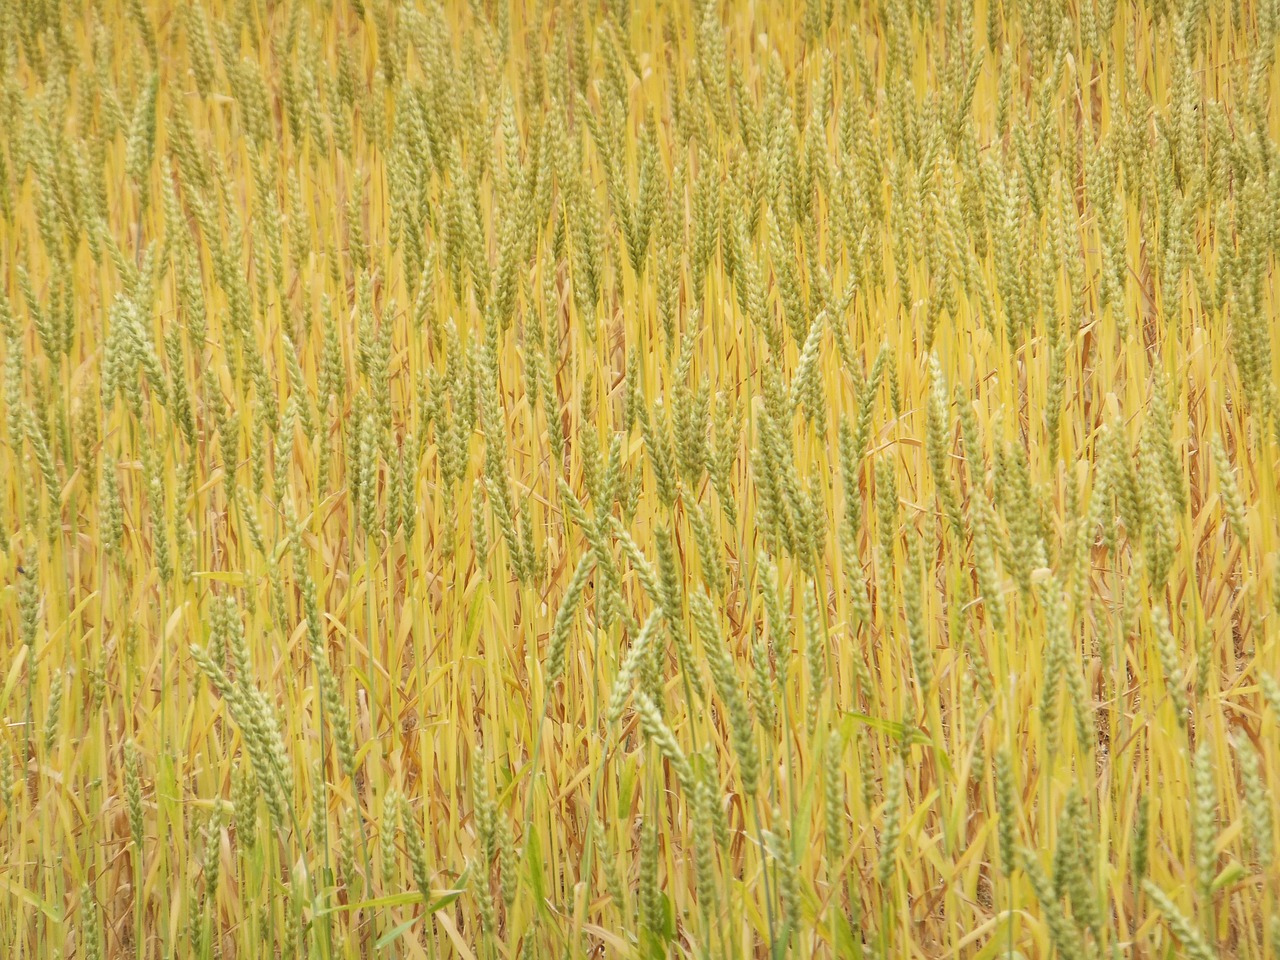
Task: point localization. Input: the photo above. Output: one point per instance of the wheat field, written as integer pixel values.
(639, 479)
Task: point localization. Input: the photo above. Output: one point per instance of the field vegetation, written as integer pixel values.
(639, 479)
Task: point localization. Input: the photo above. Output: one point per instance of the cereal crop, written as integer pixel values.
(639, 478)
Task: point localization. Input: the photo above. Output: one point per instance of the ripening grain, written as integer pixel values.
(640, 479)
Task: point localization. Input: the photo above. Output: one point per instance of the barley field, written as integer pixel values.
(639, 479)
